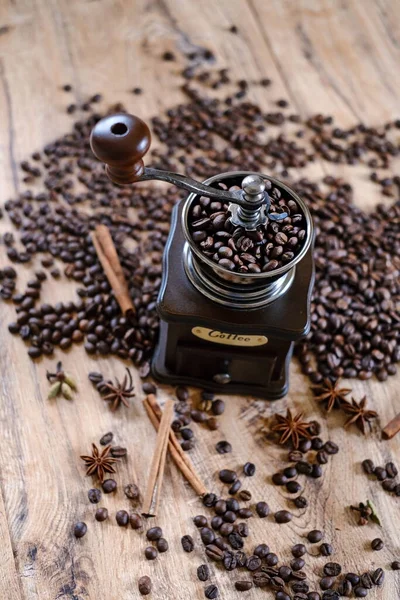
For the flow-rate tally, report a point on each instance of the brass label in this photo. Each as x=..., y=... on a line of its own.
x=229, y=339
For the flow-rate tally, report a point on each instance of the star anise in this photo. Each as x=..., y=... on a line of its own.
x=99, y=464
x=119, y=392
x=331, y=393
x=359, y=414
x=292, y=428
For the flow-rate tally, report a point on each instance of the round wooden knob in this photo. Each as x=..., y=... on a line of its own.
x=121, y=141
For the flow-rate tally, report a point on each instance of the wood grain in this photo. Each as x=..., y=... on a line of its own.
x=340, y=58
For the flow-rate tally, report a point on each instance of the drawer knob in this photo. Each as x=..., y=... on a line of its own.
x=222, y=378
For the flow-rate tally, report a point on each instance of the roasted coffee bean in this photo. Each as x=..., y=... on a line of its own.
x=94, y=495
x=304, y=467
x=377, y=544
x=271, y=559
x=300, y=502
x=317, y=443
x=154, y=533
x=101, y=514
x=283, y=516
x=244, y=513
x=209, y=500
x=135, y=521
x=229, y=561
x=295, y=456
x=293, y=487
x=187, y=543
x=243, y=586
x=331, y=447
x=162, y=545
x=214, y=552
x=223, y=447
x=290, y=472
x=145, y=585
x=395, y=565
x=313, y=596
x=242, y=529
x=389, y=485
x=261, y=550
x=109, y=486
x=253, y=563
x=300, y=587
x=122, y=518
x=360, y=592
x=297, y=564
x=262, y=509
x=368, y=466
x=80, y=529
x=227, y=476
x=249, y=469
x=380, y=473
x=182, y=393
x=150, y=553
x=326, y=583
x=330, y=595
x=366, y=581
x=299, y=550
x=216, y=522
x=280, y=595
x=235, y=541
x=285, y=573
x=322, y=457
x=315, y=536
x=378, y=576
x=200, y=521
x=149, y=388
x=229, y=516
x=118, y=452
x=332, y=569
x=211, y=592
x=232, y=504
x=277, y=583
x=326, y=549
x=353, y=578
x=220, y=507
x=235, y=487
x=261, y=579
x=203, y=572
x=245, y=495
x=345, y=588
x=207, y=535
x=218, y=407
x=279, y=479
x=132, y=491
x=241, y=558
x=316, y=471
x=391, y=470
x=226, y=529
x=107, y=438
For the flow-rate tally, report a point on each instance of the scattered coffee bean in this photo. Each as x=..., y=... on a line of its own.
x=391, y=470
x=211, y=592
x=243, y=586
x=326, y=583
x=300, y=502
x=144, y=585
x=293, y=487
x=315, y=536
x=101, y=514
x=227, y=476
x=223, y=447
x=261, y=550
x=283, y=516
x=395, y=565
x=271, y=559
x=122, y=518
x=245, y=495
x=203, y=572
x=368, y=466
x=218, y=407
x=80, y=529
x=262, y=509
x=135, y=521
x=107, y=438
x=249, y=469
x=360, y=592
x=378, y=576
x=380, y=473
x=150, y=553
x=187, y=543
x=162, y=545
x=297, y=564
x=325, y=549
x=94, y=495
x=154, y=533
x=109, y=486
x=332, y=569
x=200, y=521
x=377, y=544
x=253, y=563
x=132, y=491
x=299, y=550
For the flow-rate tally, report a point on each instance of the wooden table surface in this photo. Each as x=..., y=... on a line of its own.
x=337, y=57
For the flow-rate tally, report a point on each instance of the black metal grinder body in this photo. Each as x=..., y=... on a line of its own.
x=223, y=331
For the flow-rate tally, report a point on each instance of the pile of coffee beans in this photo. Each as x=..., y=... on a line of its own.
x=270, y=247
x=355, y=327
x=386, y=475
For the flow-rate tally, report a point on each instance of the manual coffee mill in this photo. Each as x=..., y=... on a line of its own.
x=225, y=329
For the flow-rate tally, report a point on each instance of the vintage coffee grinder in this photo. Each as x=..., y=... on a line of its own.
x=221, y=329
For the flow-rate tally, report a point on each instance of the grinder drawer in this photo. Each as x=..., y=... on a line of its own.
x=237, y=365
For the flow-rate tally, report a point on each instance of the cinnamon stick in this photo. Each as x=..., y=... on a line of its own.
x=108, y=257
x=391, y=428
x=181, y=460
x=153, y=493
